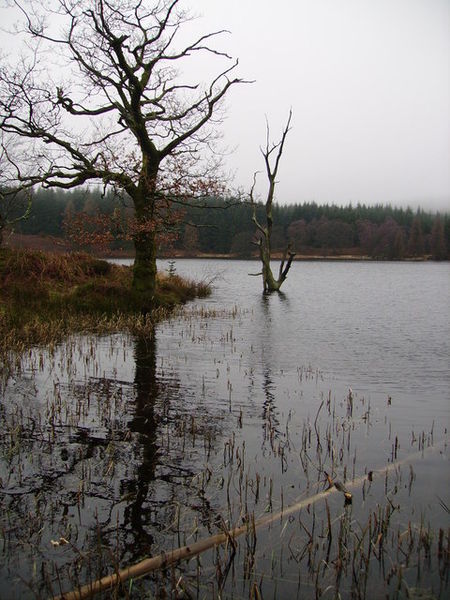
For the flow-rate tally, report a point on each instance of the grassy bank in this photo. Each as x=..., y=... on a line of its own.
x=45, y=295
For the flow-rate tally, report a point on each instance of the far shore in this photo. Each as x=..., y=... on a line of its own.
x=60, y=246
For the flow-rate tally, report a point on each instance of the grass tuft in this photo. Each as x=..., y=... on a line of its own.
x=44, y=296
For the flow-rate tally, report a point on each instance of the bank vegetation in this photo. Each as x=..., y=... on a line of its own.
x=44, y=296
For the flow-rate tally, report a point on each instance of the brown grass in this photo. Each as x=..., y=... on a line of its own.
x=44, y=296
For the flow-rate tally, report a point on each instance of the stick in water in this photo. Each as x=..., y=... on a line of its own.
x=164, y=560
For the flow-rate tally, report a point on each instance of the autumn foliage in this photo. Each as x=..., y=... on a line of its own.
x=98, y=231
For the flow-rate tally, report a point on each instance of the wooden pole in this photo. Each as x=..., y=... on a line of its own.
x=186, y=552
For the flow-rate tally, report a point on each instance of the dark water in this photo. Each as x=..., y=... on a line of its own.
x=127, y=446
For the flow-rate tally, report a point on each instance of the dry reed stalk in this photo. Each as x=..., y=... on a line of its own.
x=164, y=560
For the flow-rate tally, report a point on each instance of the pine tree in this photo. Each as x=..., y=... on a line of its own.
x=416, y=246
x=438, y=245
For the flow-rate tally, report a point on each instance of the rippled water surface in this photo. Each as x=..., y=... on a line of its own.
x=116, y=448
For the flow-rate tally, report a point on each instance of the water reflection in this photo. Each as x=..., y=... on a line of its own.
x=145, y=424
x=266, y=342
x=104, y=449
x=128, y=446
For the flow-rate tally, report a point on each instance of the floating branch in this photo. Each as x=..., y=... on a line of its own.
x=164, y=560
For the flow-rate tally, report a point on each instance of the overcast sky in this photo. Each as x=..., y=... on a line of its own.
x=368, y=82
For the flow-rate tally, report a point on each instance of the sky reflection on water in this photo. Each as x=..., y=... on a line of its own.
x=141, y=444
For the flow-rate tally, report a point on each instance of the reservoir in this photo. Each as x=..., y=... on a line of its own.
x=115, y=448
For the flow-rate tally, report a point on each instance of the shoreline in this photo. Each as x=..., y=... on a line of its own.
x=59, y=246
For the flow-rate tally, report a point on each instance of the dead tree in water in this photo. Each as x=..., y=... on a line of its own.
x=263, y=240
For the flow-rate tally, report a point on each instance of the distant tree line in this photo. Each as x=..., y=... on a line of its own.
x=226, y=227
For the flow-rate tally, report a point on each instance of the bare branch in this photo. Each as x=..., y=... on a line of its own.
x=264, y=243
x=120, y=113
x=211, y=101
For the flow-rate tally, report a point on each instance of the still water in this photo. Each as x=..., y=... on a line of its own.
x=119, y=447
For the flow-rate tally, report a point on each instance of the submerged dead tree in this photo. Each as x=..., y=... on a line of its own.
x=98, y=98
x=264, y=235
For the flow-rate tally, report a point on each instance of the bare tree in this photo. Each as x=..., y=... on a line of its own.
x=264, y=231
x=120, y=114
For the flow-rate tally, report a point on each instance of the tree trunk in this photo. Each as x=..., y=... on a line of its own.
x=270, y=284
x=144, y=270
x=145, y=240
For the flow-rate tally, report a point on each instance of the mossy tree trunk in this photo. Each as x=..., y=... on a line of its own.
x=145, y=234
x=264, y=235
x=143, y=124
x=144, y=269
x=270, y=284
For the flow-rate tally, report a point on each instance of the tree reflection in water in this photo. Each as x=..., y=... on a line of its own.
x=145, y=424
x=101, y=453
x=271, y=423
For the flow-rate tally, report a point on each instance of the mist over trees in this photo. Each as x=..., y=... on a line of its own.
x=104, y=101
x=379, y=231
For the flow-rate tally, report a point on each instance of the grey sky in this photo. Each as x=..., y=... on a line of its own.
x=368, y=82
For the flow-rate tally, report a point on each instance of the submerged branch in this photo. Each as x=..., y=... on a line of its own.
x=164, y=560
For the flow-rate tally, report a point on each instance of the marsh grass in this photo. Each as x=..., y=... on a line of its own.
x=44, y=296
